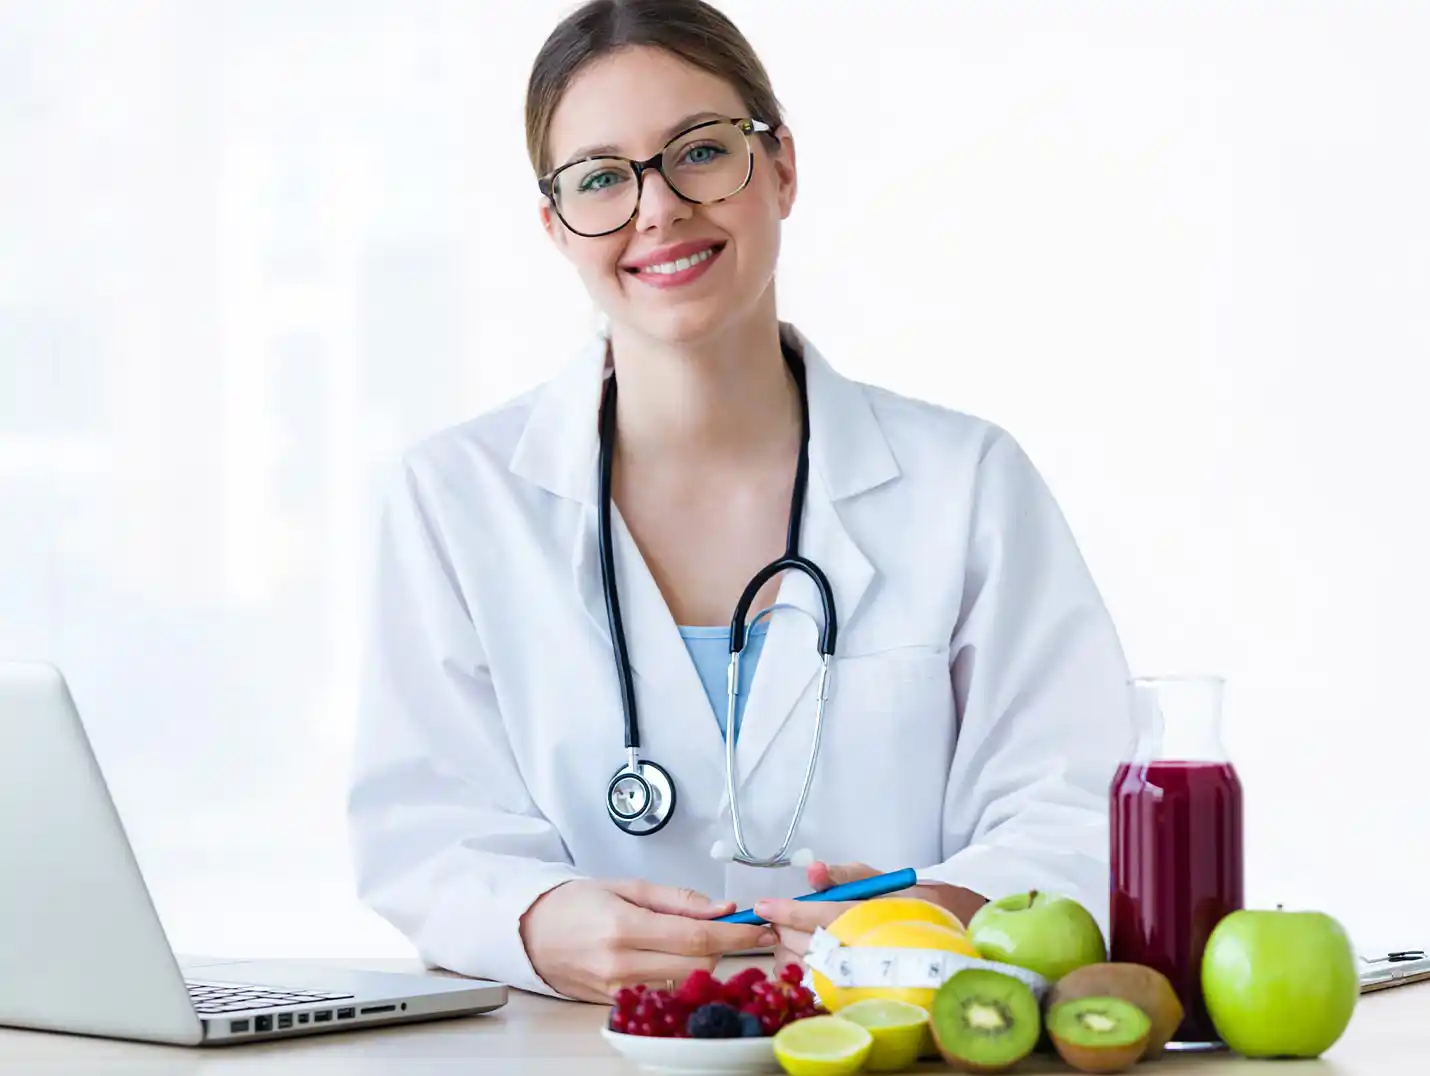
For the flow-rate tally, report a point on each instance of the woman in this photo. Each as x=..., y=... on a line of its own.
x=975, y=708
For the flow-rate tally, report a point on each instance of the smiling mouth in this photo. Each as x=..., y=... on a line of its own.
x=679, y=265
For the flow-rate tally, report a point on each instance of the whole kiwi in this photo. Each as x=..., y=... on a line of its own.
x=1145, y=987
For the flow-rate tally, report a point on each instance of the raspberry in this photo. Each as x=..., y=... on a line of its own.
x=792, y=974
x=700, y=988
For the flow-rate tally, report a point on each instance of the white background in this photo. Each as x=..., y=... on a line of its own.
x=250, y=249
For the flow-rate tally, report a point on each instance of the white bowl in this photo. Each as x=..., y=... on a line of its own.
x=697, y=1057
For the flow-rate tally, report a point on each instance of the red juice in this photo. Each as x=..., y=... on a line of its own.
x=1176, y=871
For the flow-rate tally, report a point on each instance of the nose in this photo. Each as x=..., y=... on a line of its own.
x=659, y=205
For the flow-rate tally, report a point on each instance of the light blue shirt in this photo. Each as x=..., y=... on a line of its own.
x=710, y=650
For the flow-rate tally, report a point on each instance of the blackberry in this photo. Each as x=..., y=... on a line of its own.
x=750, y=1025
x=715, y=1021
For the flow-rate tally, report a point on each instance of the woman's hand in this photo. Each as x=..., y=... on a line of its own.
x=797, y=920
x=587, y=939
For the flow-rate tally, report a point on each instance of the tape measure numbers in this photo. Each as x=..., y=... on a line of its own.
x=847, y=966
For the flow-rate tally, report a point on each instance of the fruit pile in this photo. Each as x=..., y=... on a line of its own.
x=747, y=1005
x=1275, y=984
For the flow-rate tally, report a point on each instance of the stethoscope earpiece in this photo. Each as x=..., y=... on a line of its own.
x=725, y=851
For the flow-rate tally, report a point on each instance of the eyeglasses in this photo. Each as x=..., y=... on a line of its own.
x=707, y=163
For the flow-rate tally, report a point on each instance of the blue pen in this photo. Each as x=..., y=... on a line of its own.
x=863, y=889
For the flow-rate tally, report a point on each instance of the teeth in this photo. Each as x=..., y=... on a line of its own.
x=666, y=268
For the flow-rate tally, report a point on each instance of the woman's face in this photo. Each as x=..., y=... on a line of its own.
x=631, y=103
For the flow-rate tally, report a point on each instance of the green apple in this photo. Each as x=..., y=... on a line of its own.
x=1043, y=932
x=1279, y=984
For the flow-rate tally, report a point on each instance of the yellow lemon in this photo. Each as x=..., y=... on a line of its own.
x=900, y=1032
x=911, y=935
x=868, y=914
x=822, y=1046
x=864, y=917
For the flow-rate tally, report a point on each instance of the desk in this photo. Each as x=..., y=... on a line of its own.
x=540, y=1036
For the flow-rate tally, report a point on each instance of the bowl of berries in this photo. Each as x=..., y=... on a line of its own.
x=707, y=1026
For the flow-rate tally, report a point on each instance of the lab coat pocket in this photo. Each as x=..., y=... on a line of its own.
x=896, y=686
x=890, y=737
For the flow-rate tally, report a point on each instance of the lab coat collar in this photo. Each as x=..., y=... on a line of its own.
x=849, y=454
x=558, y=447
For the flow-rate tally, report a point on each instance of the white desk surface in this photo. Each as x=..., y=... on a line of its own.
x=1389, y=1035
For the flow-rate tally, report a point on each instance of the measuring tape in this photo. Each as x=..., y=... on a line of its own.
x=853, y=966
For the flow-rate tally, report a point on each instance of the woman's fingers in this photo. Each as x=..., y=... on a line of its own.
x=670, y=899
x=680, y=935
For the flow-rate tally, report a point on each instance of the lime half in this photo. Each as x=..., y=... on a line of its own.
x=822, y=1046
x=899, y=1030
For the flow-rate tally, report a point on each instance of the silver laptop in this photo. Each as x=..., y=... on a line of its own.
x=81, y=946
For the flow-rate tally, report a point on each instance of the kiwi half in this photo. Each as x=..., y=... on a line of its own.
x=1145, y=987
x=1099, y=1034
x=984, y=1021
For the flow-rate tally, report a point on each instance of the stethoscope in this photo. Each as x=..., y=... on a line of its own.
x=641, y=795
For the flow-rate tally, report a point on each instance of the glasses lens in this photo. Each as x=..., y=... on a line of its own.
x=709, y=163
x=596, y=195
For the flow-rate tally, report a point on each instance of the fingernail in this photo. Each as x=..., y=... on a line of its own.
x=762, y=908
x=769, y=937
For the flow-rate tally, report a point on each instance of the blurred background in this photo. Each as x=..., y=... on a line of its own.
x=249, y=250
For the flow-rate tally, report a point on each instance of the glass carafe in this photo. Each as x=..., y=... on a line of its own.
x=1176, y=827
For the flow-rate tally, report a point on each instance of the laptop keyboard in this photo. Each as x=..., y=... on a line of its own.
x=212, y=998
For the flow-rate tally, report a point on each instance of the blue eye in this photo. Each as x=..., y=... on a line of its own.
x=710, y=149
x=599, y=181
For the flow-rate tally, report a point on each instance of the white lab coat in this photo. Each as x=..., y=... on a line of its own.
x=978, y=706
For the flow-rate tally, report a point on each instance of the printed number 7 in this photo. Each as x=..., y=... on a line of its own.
x=888, y=968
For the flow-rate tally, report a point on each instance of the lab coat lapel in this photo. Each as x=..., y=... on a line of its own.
x=667, y=685
x=559, y=451
x=848, y=455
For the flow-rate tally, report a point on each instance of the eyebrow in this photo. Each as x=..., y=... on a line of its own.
x=669, y=133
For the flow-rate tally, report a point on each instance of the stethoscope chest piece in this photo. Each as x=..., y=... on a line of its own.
x=640, y=797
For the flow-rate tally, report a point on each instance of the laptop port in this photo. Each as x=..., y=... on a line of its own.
x=302, y=1018
x=238, y=1025
x=323, y=1017
x=263, y=1023
x=285, y=1019
x=346, y=1014
x=379, y=1008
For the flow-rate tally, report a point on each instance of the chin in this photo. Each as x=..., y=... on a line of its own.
x=688, y=321
x=686, y=326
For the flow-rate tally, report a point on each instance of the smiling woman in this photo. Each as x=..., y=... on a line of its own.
x=637, y=116
x=584, y=563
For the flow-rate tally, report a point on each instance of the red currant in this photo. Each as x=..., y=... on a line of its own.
x=792, y=974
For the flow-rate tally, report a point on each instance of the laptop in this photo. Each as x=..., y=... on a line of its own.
x=82, y=949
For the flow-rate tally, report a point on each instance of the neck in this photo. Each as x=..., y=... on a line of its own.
x=728, y=399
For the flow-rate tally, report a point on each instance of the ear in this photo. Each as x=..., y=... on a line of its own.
x=551, y=224
x=782, y=160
